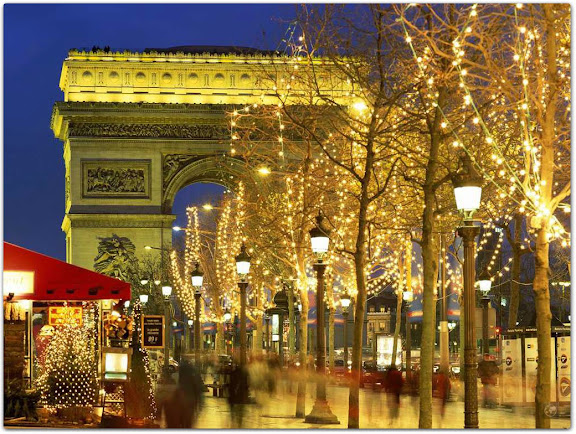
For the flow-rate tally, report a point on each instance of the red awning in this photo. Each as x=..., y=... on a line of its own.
x=58, y=280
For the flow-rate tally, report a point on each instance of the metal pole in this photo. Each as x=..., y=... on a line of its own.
x=321, y=412
x=345, y=314
x=485, y=345
x=281, y=339
x=197, y=337
x=468, y=234
x=243, y=286
x=167, y=327
x=444, y=353
x=408, y=350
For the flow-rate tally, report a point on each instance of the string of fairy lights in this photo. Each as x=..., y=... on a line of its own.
x=515, y=180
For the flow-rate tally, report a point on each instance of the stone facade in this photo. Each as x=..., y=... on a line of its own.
x=138, y=127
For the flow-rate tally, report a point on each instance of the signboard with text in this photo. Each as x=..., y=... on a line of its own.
x=59, y=315
x=18, y=282
x=153, y=331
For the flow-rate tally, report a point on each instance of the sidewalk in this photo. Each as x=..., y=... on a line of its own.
x=277, y=412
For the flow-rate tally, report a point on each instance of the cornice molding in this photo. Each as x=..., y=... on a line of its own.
x=118, y=221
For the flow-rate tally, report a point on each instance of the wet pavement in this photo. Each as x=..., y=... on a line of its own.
x=276, y=411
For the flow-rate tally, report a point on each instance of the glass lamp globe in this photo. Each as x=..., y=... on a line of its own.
x=319, y=237
x=243, y=262
x=345, y=300
x=407, y=295
x=143, y=298
x=197, y=277
x=227, y=316
x=190, y=322
x=467, y=187
x=166, y=290
x=485, y=285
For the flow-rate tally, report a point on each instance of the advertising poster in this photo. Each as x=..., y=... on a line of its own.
x=563, y=364
x=531, y=357
x=511, y=371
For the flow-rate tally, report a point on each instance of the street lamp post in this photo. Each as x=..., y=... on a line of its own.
x=227, y=319
x=243, y=268
x=345, y=301
x=197, y=279
x=485, y=284
x=321, y=413
x=467, y=192
x=166, y=292
x=408, y=296
x=267, y=337
x=190, y=337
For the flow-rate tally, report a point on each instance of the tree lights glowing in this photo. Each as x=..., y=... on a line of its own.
x=68, y=377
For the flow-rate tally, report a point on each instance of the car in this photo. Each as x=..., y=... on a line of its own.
x=339, y=369
x=372, y=375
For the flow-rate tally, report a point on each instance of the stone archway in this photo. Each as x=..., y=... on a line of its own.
x=189, y=169
x=137, y=127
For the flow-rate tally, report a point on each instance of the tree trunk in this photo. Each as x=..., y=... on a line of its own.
x=219, y=338
x=515, y=272
x=292, y=325
x=399, y=294
x=360, y=306
x=331, y=339
x=543, y=327
x=303, y=354
x=541, y=282
x=430, y=262
x=354, y=396
x=257, y=335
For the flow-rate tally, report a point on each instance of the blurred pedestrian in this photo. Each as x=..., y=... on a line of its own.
x=443, y=390
x=183, y=406
x=488, y=373
x=394, y=383
x=238, y=395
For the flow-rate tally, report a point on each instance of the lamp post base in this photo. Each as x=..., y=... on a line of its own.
x=321, y=414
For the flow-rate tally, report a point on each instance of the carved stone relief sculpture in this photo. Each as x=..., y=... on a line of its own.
x=118, y=178
x=202, y=132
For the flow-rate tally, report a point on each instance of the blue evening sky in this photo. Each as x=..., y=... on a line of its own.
x=37, y=38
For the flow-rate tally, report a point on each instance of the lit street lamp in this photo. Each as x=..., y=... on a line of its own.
x=345, y=301
x=321, y=413
x=485, y=284
x=243, y=268
x=467, y=192
x=197, y=277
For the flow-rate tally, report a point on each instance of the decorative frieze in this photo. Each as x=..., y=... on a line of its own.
x=198, y=132
x=116, y=178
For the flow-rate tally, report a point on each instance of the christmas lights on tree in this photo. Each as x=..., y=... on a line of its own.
x=68, y=377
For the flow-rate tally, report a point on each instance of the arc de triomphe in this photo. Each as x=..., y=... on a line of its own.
x=138, y=127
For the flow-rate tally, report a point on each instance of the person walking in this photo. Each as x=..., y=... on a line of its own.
x=238, y=395
x=394, y=383
x=443, y=390
x=488, y=373
x=183, y=406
